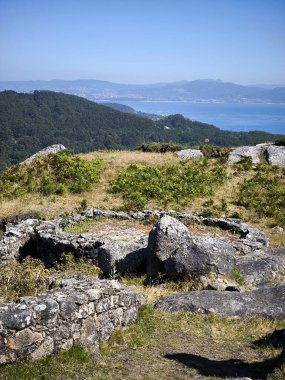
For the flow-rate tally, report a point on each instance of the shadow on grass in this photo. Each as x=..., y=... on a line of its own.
x=227, y=368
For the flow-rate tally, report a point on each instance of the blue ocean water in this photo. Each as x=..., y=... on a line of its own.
x=233, y=117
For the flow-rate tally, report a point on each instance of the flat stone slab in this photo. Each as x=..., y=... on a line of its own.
x=264, y=303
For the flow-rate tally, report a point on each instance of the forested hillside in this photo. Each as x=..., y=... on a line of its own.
x=30, y=122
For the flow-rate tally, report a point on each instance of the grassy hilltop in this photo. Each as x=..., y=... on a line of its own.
x=133, y=180
x=159, y=346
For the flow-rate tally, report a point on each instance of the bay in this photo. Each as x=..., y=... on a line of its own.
x=228, y=116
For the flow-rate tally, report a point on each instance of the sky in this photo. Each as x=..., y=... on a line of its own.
x=143, y=41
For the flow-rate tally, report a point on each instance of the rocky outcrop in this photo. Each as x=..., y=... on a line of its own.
x=166, y=236
x=262, y=268
x=199, y=256
x=81, y=312
x=44, y=152
x=275, y=155
x=189, y=154
x=265, y=303
x=245, y=151
x=120, y=257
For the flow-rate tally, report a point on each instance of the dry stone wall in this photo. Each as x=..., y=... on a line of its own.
x=47, y=240
x=80, y=312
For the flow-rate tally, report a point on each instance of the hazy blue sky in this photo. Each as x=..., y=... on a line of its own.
x=143, y=41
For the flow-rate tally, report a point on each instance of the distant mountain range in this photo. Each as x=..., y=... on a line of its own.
x=207, y=90
x=31, y=122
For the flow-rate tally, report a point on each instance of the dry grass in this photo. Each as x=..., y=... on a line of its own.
x=99, y=196
x=53, y=206
x=161, y=346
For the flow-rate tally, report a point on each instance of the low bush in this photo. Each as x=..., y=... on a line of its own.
x=173, y=183
x=160, y=148
x=245, y=164
x=280, y=142
x=53, y=174
x=212, y=151
x=265, y=193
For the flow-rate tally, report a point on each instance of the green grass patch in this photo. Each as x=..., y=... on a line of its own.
x=52, y=174
x=236, y=276
x=139, y=351
x=171, y=184
x=264, y=193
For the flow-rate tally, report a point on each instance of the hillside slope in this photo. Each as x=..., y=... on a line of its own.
x=30, y=122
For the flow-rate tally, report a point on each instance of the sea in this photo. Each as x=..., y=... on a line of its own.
x=228, y=116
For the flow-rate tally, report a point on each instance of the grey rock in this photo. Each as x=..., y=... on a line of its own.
x=219, y=283
x=231, y=224
x=200, y=255
x=18, y=320
x=265, y=303
x=262, y=267
x=189, y=154
x=165, y=237
x=81, y=312
x=275, y=155
x=255, y=235
x=278, y=230
x=245, y=151
x=119, y=257
x=44, y=152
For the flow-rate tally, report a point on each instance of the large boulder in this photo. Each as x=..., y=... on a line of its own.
x=189, y=154
x=261, y=268
x=265, y=303
x=121, y=257
x=201, y=255
x=245, y=151
x=44, y=152
x=275, y=155
x=166, y=236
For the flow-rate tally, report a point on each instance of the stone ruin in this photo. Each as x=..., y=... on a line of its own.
x=86, y=311
x=80, y=311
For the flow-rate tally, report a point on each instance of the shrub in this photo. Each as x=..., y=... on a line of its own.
x=176, y=183
x=265, y=193
x=245, y=164
x=212, y=151
x=280, y=142
x=53, y=174
x=160, y=148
